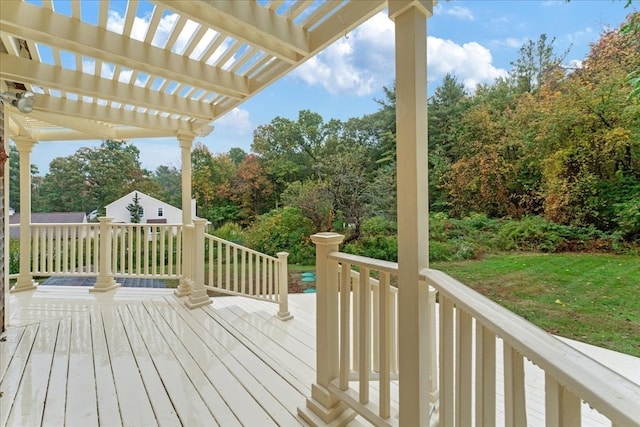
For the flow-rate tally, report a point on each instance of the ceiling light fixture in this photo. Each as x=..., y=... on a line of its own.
x=23, y=101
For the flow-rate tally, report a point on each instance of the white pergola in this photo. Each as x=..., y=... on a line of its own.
x=95, y=77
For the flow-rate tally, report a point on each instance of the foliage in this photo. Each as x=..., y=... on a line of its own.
x=93, y=177
x=232, y=232
x=14, y=256
x=313, y=200
x=169, y=183
x=135, y=209
x=283, y=229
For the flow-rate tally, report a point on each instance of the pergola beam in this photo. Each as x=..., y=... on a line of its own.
x=36, y=23
x=52, y=77
x=118, y=116
x=248, y=22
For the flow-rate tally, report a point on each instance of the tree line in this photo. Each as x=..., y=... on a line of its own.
x=550, y=141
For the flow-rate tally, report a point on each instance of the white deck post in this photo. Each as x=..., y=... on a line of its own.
x=283, y=287
x=105, y=281
x=186, y=140
x=323, y=407
x=198, y=296
x=24, y=281
x=410, y=17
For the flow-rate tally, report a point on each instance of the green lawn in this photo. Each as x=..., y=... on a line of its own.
x=593, y=298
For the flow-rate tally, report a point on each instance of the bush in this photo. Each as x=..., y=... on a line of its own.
x=378, y=247
x=285, y=230
x=14, y=256
x=232, y=232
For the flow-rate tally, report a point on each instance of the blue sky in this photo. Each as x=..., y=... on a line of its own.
x=475, y=40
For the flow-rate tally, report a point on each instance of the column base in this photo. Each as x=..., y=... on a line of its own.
x=26, y=284
x=104, y=285
x=323, y=409
x=184, y=288
x=284, y=316
x=198, y=298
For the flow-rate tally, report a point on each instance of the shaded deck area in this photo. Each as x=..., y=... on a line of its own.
x=139, y=357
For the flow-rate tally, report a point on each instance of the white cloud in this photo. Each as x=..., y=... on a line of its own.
x=456, y=11
x=470, y=62
x=237, y=121
x=364, y=62
x=358, y=63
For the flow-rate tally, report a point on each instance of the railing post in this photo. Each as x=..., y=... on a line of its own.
x=104, y=281
x=323, y=407
x=198, y=296
x=283, y=287
x=185, y=286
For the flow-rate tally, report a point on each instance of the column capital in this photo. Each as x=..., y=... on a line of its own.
x=398, y=7
x=24, y=143
x=185, y=139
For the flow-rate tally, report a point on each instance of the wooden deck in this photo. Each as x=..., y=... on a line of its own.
x=138, y=357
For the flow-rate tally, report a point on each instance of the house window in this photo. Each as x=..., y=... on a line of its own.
x=141, y=210
x=160, y=212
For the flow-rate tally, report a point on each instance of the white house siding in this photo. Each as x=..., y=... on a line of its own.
x=150, y=205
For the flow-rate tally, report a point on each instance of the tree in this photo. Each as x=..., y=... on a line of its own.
x=169, y=182
x=135, y=209
x=535, y=64
x=313, y=200
x=249, y=188
x=94, y=177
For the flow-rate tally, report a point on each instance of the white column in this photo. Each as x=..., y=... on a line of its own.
x=186, y=141
x=24, y=281
x=184, y=287
x=198, y=296
x=413, y=244
x=323, y=407
x=105, y=281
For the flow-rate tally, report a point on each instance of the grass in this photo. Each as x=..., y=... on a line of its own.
x=593, y=298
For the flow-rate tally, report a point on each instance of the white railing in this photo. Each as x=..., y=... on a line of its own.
x=163, y=251
x=236, y=270
x=357, y=338
x=368, y=337
x=146, y=250
x=64, y=249
x=570, y=376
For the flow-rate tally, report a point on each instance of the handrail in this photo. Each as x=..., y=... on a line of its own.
x=603, y=389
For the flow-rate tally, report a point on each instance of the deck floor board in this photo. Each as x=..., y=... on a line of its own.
x=141, y=358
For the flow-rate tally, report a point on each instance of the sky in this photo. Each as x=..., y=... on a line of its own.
x=475, y=40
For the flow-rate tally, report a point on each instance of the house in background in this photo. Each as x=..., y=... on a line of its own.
x=153, y=211
x=47, y=218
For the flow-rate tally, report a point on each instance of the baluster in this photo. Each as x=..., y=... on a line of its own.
x=485, y=377
x=155, y=230
x=384, y=294
x=235, y=269
x=345, y=325
x=355, y=319
x=375, y=300
x=35, y=244
x=447, y=356
x=365, y=335
x=463, y=400
x=562, y=408
x=243, y=275
x=515, y=413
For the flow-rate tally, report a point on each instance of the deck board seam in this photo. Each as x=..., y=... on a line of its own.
x=239, y=365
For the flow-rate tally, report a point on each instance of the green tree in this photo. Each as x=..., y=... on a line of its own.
x=536, y=63
x=313, y=200
x=169, y=183
x=94, y=177
x=135, y=209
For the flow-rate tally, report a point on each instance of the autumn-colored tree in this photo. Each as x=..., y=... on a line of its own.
x=249, y=188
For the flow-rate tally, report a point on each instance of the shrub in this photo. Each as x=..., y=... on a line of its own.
x=232, y=232
x=378, y=247
x=14, y=256
x=285, y=230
